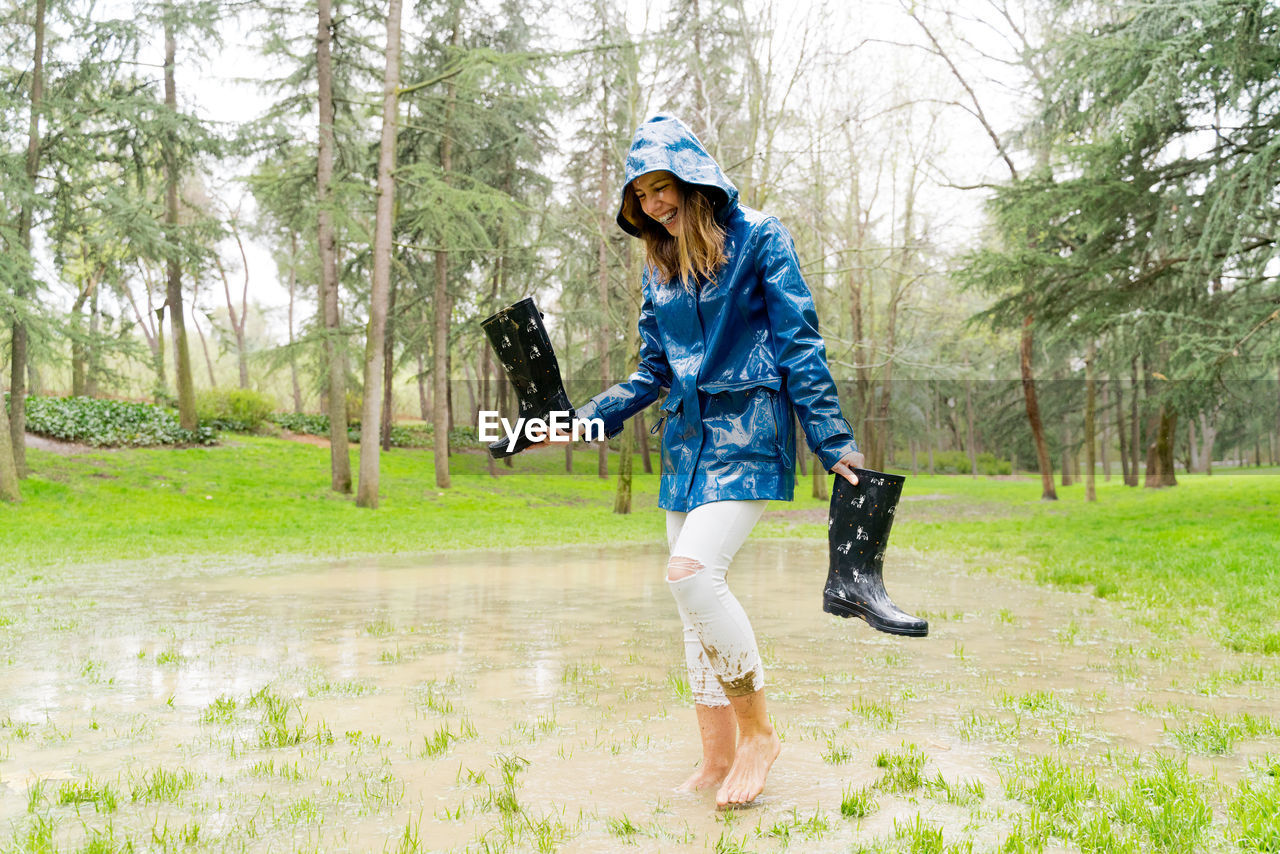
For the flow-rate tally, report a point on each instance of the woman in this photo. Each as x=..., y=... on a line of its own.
x=728, y=325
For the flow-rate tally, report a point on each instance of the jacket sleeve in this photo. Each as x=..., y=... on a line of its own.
x=619, y=402
x=801, y=353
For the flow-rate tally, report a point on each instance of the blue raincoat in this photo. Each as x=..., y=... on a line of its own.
x=739, y=356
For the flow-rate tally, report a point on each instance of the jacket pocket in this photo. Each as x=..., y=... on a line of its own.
x=741, y=423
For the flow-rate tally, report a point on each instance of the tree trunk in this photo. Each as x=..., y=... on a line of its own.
x=1160, y=471
x=633, y=272
x=901, y=279
x=162, y=390
x=862, y=351
x=1066, y=453
x=92, y=353
x=1123, y=434
x=293, y=358
x=173, y=290
x=17, y=417
x=622, y=495
x=1090, y=440
x=819, y=490
x=1135, y=438
x=380, y=292
x=423, y=408
x=334, y=346
x=442, y=416
x=935, y=428
x=204, y=343
x=239, y=318
x=9, y=489
x=1104, y=405
x=968, y=411
x=1193, y=447
x=604, y=204
x=1048, y=493
x=79, y=346
x=1208, y=434
x=389, y=369
x=204, y=346
x=566, y=375
x=642, y=440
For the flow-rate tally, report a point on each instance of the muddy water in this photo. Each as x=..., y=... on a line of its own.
x=564, y=667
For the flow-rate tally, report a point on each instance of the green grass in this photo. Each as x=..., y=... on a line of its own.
x=1163, y=808
x=257, y=496
x=857, y=803
x=1204, y=550
x=902, y=769
x=1202, y=554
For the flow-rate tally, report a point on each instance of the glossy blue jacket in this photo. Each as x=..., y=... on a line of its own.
x=738, y=356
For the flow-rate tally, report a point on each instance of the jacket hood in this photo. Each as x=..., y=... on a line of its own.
x=664, y=143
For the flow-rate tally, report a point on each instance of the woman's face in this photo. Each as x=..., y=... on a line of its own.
x=659, y=196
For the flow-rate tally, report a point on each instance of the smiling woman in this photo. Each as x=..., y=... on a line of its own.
x=729, y=327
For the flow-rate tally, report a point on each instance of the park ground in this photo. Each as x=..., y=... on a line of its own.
x=206, y=650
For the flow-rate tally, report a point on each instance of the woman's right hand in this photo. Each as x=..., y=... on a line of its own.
x=846, y=465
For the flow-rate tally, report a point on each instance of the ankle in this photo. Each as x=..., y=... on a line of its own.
x=759, y=732
x=716, y=764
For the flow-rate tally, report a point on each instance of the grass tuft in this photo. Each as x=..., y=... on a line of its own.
x=902, y=769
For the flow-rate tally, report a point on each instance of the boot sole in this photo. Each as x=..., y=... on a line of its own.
x=843, y=608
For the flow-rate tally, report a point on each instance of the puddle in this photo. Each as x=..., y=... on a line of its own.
x=536, y=700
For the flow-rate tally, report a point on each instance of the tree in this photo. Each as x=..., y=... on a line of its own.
x=19, y=332
x=173, y=279
x=335, y=349
x=375, y=351
x=1015, y=235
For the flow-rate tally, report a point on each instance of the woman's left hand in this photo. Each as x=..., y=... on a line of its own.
x=849, y=462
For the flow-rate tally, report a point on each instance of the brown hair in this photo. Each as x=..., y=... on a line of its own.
x=698, y=249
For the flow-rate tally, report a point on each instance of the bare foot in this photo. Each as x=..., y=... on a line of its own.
x=750, y=768
x=704, y=777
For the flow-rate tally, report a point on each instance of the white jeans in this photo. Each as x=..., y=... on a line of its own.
x=720, y=647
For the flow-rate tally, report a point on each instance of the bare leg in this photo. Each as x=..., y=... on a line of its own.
x=719, y=730
x=758, y=746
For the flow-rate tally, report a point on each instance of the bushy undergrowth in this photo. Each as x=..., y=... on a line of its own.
x=110, y=423
x=402, y=435
x=957, y=462
x=240, y=410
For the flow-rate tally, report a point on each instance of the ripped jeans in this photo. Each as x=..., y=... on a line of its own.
x=720, y=647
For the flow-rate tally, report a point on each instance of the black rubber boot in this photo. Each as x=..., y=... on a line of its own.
x=858, y=531
x=524, y=349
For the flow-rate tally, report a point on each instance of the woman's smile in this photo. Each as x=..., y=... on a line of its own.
x=659, y=197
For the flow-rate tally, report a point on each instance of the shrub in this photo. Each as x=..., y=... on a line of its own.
x=302, y=422
x=957, y=462
x=241, y=410
x=402, y=435
x=110, y=423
